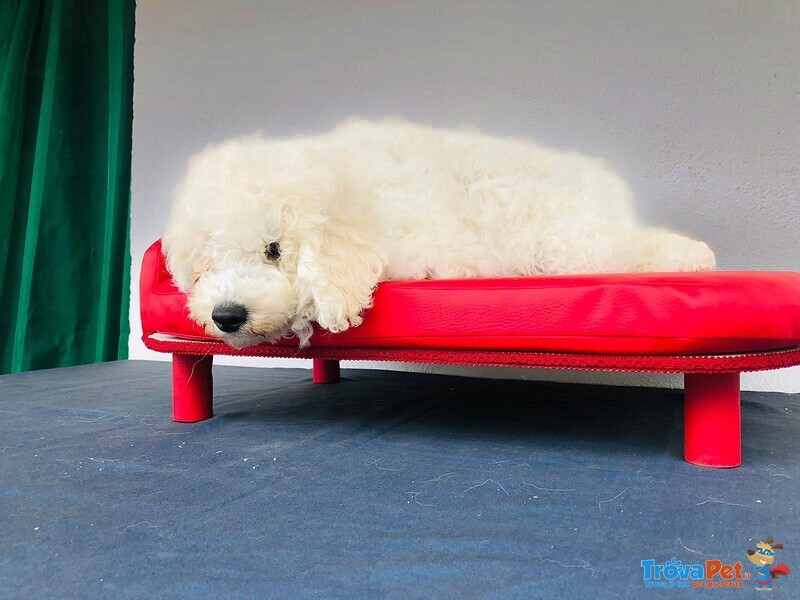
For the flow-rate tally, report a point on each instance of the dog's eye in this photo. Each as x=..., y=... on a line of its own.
x=273, y=251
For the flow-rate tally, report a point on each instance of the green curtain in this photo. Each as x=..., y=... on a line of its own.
x=66, y=79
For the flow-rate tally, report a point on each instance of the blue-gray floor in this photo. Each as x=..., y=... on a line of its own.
x=386, y=485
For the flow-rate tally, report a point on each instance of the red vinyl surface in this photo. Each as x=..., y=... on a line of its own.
x=619, y=314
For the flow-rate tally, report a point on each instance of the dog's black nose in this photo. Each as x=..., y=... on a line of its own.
x=229, y=317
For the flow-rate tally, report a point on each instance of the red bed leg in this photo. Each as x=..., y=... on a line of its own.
x=712, y=420
x=326, y=371
x=192, y=388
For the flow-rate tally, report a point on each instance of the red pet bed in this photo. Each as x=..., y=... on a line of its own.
x=709, y=326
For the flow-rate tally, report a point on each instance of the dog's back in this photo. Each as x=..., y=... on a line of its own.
x=462, y=203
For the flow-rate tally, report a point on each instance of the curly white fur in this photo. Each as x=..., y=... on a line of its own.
x=369, y=202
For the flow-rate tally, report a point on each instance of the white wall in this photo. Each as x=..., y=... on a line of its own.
x=695, y=103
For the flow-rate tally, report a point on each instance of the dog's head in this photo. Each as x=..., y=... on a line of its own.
x=263, y=245
x=764, y=554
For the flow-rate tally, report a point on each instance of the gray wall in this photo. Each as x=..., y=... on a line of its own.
x=695, y=102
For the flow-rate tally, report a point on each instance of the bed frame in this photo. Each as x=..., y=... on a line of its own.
x=712, y=418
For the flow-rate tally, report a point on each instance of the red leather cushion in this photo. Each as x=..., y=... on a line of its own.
x=650, y=313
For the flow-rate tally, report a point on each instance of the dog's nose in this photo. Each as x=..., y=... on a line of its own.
x=229, y=317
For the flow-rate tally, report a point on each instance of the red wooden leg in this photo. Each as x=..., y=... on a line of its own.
x=192, y=388
x=326, y=371
x=712, y=420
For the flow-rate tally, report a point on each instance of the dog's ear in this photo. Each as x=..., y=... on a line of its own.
x=180, y=249
x=337, y=271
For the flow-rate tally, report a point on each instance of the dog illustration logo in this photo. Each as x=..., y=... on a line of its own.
x=763, y=558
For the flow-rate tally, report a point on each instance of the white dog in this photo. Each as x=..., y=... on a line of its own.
x=267, y=236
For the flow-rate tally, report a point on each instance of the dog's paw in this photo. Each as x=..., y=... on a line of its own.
x=338, y=325
x=675, y=253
